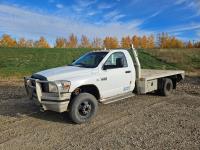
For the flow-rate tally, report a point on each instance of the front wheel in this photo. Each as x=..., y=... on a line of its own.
x=83, y=107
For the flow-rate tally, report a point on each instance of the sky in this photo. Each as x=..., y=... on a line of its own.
x=99, y=18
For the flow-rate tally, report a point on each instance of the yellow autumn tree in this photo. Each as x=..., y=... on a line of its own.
x=173, y=42
x=151, y=42
x=22, y=43
x=106, y=42
x=126, y=42
x=42, y=43
x=60, y=42
x=161, y=40
x=180, y=44
x=7, y=41
x=72, y=42
x=164, y=40
x=85, y=42
x=111, y=42
x=144, y=42
x=135, y=41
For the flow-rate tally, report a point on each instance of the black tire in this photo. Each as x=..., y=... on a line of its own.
x=167, y=87
x=82, y=108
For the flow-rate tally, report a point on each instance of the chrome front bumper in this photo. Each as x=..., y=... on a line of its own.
x=49, y=101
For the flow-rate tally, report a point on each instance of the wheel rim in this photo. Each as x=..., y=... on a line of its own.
x=168, y=87
x=85, y=108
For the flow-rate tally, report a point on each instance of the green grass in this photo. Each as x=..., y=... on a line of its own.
x=16, y=63
x=21, y=62
x=150, y=62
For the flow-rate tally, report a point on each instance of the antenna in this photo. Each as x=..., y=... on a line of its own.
x=132, y=46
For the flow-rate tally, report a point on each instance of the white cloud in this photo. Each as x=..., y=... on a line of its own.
x=155, y=14
x=105, y=6
x=91, y=13
x=24, y=23
x=180, y=30
x=118, y=17
x=85, y=9
x=85, y=3
x=82, y=9
x=194, y=4
x=198, y=6
x=178, y=2
x=113, y=16
x=186, y=27
x=60, y=6
x=152, y=15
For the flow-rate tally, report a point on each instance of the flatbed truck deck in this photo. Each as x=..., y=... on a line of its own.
x=149, y=74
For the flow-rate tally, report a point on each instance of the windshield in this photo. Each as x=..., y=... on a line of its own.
x=90, y=60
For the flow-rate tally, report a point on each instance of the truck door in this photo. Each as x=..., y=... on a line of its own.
x=115, y=77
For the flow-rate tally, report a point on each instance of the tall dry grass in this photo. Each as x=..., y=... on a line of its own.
x=186, y=59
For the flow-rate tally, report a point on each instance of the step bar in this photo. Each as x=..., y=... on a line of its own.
x=117, y=98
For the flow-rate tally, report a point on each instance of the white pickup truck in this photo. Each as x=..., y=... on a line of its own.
x=103, y=76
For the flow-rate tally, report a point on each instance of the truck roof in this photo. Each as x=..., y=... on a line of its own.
x=109, y=50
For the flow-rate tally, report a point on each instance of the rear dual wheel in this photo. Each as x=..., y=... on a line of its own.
x=167, y=87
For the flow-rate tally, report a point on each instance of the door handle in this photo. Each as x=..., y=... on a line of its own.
x=128, y=71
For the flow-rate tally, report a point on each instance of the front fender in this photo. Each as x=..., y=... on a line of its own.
x=81, y=81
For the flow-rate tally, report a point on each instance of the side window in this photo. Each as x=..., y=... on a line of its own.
x=116, y=60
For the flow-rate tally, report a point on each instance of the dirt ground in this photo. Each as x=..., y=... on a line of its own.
x=141, y=122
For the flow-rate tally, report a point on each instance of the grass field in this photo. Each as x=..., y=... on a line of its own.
x=20, y=62
x=186, y=59
x=16, y=63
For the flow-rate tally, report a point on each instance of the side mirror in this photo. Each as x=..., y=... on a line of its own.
x=73, y=60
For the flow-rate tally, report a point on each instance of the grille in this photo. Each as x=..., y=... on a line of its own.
x=44, y=86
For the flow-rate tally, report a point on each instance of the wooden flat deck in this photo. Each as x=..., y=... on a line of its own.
x=149, y=74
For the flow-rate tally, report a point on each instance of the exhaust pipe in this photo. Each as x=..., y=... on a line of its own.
x=137, y=63
x=137, y=67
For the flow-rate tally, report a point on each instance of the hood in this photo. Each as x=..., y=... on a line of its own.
x=64, y=73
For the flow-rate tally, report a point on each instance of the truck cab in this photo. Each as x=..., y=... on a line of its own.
x=102, y=76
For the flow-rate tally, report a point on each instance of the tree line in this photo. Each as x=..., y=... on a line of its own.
x=162, y=40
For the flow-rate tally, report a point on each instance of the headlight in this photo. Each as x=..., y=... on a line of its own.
x=62, y=85
x=52, y=88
